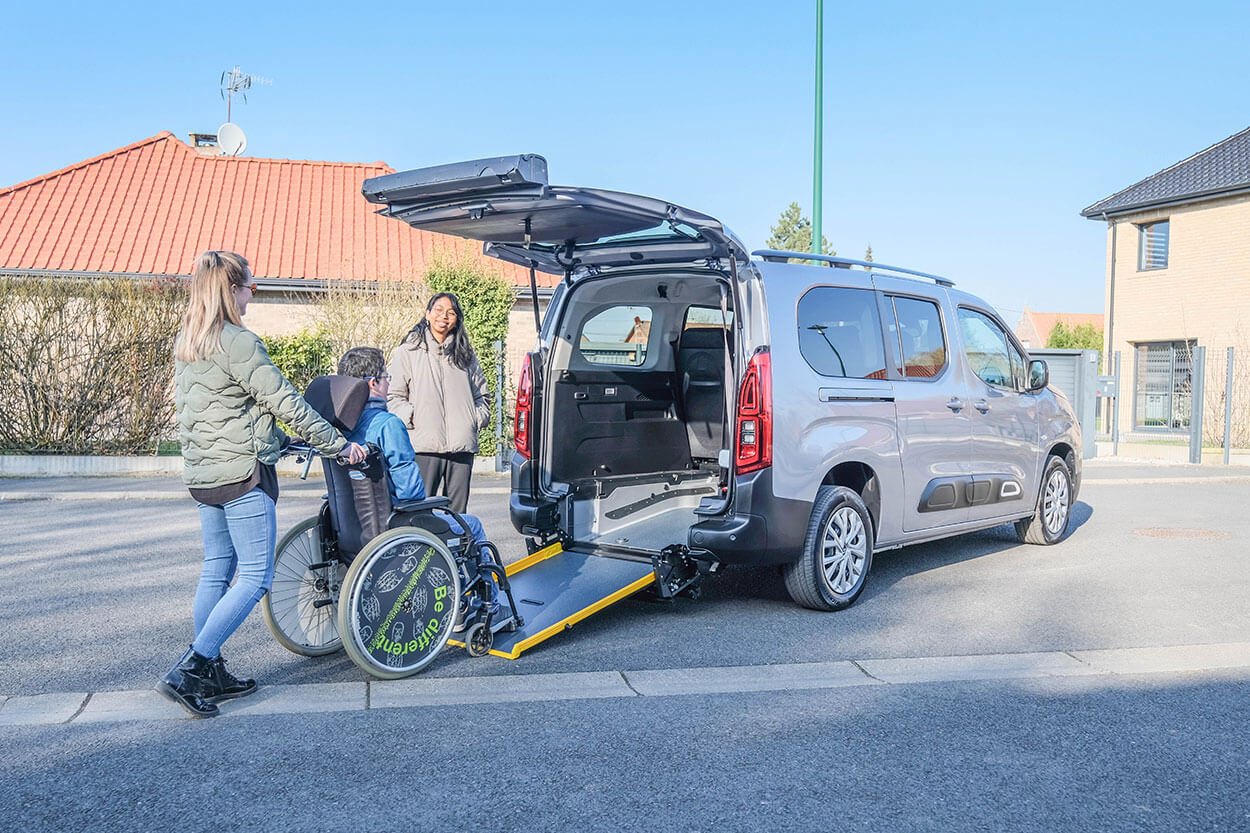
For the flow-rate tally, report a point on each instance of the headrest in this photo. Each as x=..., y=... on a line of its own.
x=704, y=338
x=339, y=399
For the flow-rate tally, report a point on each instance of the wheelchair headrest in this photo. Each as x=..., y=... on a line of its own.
x=339, y=399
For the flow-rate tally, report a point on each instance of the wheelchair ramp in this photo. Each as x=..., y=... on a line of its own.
x=555, y=589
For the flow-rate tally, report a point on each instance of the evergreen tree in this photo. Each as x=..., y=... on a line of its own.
x=793, y=233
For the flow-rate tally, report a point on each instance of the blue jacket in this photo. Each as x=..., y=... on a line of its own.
x=387, y=432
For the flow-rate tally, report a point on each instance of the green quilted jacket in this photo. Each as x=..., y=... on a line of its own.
x=227, y=404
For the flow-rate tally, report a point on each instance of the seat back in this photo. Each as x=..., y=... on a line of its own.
x=359, y=497
x=701, y=373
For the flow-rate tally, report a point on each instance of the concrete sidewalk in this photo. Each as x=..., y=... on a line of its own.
x=80, y=708
x=164, y=486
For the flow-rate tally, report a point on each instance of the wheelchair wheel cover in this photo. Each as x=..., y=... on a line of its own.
x=289, y=608
x=398, y=602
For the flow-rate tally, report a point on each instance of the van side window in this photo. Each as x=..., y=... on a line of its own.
x=840, y=333
x=922, y=346
x=990, y=351
x=697, y=317
x=617, y=336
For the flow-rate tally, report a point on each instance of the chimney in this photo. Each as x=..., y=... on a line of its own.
x=206, y=144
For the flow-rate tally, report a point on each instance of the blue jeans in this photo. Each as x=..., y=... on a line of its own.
x=238, y=535
x=475, y=526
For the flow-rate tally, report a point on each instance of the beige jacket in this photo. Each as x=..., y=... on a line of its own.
x=442, y=406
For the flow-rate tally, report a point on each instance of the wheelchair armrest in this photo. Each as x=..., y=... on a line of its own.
x=418, y=505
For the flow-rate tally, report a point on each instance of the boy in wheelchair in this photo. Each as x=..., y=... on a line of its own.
x=383, y=570
x=383, y=429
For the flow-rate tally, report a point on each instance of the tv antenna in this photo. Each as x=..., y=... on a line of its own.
x=237, y=82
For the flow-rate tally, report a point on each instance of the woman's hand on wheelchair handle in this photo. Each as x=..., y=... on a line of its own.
x=354, y=453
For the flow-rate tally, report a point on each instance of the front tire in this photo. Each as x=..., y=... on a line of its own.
x=1053, y=512
x=837, y=552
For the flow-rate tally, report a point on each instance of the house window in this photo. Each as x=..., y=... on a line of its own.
x=1163, y=380
x=1152, y=246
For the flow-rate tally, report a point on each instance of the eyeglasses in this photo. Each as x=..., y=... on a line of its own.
x=448, y=313
x=250, y=287
x=385, y=377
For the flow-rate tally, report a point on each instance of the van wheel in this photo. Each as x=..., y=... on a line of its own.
x=837, y=552
x=1054, y=507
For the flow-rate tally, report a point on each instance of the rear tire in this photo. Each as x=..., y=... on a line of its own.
x=837, y=552
x=398, y=603
x=1053, y=511
x=301, y=607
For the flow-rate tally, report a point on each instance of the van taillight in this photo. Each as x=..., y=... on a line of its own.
x=753, y=437
x=524, y=411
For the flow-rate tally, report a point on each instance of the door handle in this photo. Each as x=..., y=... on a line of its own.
x=982, y=406
x=955, y=404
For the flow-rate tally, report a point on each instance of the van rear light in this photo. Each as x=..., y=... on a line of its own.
x=524, y=411
x=753, y=435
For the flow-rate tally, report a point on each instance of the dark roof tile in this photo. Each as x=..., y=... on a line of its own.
x=1220, y=169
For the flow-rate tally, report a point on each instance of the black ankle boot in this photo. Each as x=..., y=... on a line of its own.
x=227, y=685
x=190, y=683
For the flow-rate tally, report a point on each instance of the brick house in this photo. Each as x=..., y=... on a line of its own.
x=149, y=208
x=1178, y=260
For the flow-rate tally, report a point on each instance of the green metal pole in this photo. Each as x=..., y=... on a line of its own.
x=820, y=123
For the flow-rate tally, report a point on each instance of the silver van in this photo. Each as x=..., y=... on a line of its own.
x=695, y=406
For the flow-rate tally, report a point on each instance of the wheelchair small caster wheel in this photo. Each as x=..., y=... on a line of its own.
x=479, y=640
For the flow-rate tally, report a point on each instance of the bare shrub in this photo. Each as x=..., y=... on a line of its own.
x=86, y=366
x=369, y=313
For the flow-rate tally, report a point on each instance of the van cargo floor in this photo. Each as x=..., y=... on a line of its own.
x=555, y=589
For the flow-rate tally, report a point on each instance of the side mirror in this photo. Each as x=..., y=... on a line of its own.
x=1039, y=375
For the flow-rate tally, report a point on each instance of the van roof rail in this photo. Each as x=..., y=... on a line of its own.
x=777, y=256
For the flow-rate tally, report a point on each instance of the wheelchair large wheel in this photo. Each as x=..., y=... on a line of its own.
x=301, y=608
x=398, y=602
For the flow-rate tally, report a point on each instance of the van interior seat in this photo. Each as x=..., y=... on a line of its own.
x=701, y=372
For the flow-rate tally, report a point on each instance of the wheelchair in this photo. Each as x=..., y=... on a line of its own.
x=388, y=583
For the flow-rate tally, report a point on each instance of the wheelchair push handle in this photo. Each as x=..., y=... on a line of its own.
x=304, y=453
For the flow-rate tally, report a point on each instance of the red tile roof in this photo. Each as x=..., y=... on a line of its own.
x=151, y=207
x=1034, y=327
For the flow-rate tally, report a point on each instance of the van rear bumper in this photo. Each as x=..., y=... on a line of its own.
x=529, y=515
x=761, y=529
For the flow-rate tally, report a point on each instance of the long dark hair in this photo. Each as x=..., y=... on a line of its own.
x=457, y=346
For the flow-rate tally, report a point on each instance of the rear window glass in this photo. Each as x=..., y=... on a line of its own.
x=617, y=336
x=840, y=333
x=922, y=346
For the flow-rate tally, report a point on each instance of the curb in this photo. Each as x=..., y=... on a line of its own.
x=69, y=465
x=82, y=708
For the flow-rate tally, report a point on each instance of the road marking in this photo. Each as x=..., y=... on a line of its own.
x=126, y=706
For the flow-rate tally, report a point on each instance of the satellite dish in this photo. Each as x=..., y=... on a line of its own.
x=231, y=140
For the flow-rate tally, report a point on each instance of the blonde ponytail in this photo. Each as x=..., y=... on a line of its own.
x=211, y=304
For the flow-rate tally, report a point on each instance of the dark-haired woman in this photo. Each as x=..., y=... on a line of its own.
x=229, y=396
x=438, y=389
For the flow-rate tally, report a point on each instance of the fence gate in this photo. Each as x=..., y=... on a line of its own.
x=1075, y=374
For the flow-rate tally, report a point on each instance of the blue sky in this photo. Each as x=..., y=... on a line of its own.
x=961, y=139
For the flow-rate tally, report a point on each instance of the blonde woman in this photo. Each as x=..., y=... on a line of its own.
x=228, y=396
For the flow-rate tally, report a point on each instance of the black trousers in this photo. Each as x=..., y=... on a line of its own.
x=448, y=475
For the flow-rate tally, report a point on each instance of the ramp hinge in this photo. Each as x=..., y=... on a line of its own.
x=676, y=573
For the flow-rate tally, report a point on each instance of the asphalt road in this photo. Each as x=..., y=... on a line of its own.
x=99, y=592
